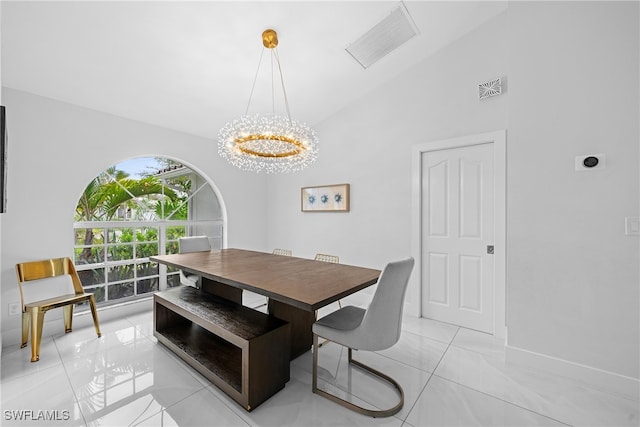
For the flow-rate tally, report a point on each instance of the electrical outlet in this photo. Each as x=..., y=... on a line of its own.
x=14, y=309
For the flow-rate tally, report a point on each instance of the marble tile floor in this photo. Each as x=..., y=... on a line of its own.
x=451, y=377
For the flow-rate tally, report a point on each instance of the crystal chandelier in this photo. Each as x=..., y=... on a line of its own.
x=268, y=142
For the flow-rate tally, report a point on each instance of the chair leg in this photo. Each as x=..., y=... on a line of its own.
x=37, y=320
x=25, y=328
x=364, y=411
x=94, y=313
x=314, y=381
x=68, y=317
x=325, y=341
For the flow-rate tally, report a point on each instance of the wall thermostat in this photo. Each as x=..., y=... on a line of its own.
x=590, y=162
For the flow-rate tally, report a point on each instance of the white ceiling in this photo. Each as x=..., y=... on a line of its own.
x=189, y=66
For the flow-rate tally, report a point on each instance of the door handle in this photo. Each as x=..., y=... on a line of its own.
x=490, y=249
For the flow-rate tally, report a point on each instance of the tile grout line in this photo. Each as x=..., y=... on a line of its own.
x=503, y=400
x=22, y=372
x=480, y=391
x=187, y=371
x=66, y=373
x=449, y=344
x=351, y=393
x=132, y=423
x=143, y=336
x=164, y=408
x=417, y=398
x=431, y=376
x=446, y=350
x=416, y=367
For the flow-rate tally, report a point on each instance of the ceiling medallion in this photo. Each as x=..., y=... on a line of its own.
x=268, y=142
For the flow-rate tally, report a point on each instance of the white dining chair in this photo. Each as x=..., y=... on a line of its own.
x=192, y=244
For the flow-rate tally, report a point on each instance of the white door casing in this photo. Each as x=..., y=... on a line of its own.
x=458, y=210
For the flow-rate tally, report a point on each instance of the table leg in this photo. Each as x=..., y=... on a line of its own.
x=220, y=289
x=301, y=322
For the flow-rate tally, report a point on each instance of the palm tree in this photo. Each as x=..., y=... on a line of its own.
x=108, y=192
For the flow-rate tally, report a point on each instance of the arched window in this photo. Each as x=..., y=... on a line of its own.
x=136, y=209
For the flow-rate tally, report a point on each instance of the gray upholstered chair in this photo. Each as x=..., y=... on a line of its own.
x=376, y=328
x=192, y=244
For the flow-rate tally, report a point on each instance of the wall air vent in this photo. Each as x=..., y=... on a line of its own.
x=384, y=37
x=490, y=88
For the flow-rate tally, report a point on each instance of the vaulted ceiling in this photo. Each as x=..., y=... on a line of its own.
x=189, y=66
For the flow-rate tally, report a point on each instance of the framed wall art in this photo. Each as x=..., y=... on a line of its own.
x=326, y=198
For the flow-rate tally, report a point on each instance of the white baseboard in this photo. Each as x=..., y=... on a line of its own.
x=610, y=382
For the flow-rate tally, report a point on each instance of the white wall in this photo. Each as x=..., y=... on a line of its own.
x=573, y=274
x=571, y=88
x=57, y=148
x=368, y=145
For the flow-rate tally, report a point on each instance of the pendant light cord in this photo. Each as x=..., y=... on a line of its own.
x=253, y=86
x=273, y=90
x=284, y=91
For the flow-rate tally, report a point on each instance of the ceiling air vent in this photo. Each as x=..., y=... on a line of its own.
x=384, y=37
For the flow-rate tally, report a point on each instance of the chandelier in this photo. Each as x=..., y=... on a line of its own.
x=268, y=142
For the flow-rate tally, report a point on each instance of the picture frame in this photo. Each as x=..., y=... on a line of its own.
x=3, y=159
x=326, y=198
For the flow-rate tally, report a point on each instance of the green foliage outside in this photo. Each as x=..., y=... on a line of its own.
x=113, y=196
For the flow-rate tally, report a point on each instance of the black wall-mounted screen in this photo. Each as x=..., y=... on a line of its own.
x=3, y=159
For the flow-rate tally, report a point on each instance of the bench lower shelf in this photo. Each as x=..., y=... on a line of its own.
x=244, y=352
x=225, y=362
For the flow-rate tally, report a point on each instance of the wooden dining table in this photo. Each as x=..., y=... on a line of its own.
x=295, y=287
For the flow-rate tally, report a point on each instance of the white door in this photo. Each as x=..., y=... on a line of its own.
x=458, y=236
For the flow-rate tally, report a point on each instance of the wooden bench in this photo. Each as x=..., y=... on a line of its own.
x=242, y=351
